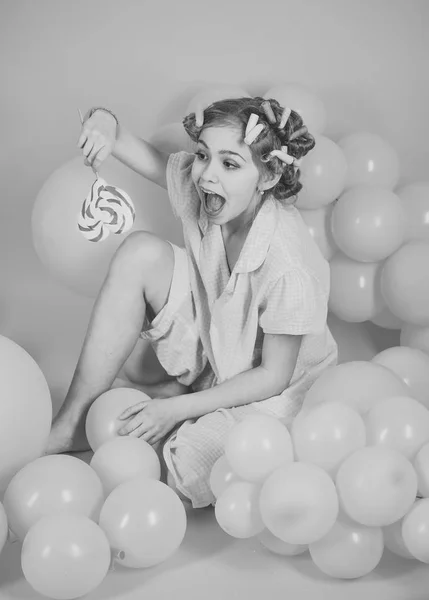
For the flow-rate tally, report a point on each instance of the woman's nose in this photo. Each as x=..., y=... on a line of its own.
x=209, y=173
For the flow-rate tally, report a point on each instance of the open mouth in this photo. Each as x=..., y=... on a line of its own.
x=212, y=203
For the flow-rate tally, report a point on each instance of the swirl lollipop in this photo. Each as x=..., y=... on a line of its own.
x=107, y=209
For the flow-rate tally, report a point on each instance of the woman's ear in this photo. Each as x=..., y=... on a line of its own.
x=268, y=184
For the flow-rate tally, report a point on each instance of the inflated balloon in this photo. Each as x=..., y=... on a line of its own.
x=221, y=476
x=415, y=336
x=145, y=519
x=318, y=222
x=303, y=101
x=387, y=320
x=122, y=459
x=411, y=365
x=73, y=261
x=323, y=174
x=355, y=294
x=376, y=485
x=57, y=484
x=212, y=93
x=299, y=503
x=394, y=541
x=327, y=434
x=349, y=550
x=25, y=410
x=415, y=200
x=398, y=422
x=358, y=384
x=102, y=423
x=237, y=510
x=171, y=138
x=415, y=530
x=4, y=527
x=258, y=445
x=421, y=467
x=277, y=546
x=368, y=223
x=65, y=556
x=405, y=282
x=370, y=159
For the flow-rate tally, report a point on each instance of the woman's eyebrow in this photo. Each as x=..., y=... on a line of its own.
x=223, y=151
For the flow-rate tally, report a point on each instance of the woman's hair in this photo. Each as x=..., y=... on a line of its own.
x=236, y=112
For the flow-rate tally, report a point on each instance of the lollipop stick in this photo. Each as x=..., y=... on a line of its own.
x=81, y=120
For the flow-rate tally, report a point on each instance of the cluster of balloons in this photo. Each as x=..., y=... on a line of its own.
x=349, y=478
x=76, y=520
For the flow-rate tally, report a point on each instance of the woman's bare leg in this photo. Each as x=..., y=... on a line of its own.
x=134, y=279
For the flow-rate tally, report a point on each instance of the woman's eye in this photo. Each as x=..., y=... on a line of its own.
x=200, y=155
x=230, y=165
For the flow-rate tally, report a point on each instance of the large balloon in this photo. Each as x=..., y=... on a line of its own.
x=102, y=423
x=355, y=294
x=356, y=383
x=237, y=510
x=323, y=174
x=57, y=484
x=318, y=222
x=25, y=410
x=303, y=101
x=65, y=556
x=415, y=199
x=258, y=445
x=405, y=282
x=79, y=264
x=348, y=550
x=145, y=519
x=124, y=458
x=376, y=486
x=212, y=93
x=299, y=503
x=370, y=159
x=411, y=365
x=368, y=223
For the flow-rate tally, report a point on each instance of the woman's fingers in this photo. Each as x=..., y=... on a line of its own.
x=132, y=410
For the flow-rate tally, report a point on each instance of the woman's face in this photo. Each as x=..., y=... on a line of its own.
x=225, y=176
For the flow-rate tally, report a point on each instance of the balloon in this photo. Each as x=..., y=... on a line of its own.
x=421, y=467
x=399, y=422
x=212, y=93
x=57, y=484
x=171, y=138
x=405, y=282
x=25, y=410
x=358, y=384
x=415, y=530
x=277, y=546
x=145, y=519
x=318, y=222
x=65, y=556
x=71, y=259
x=415, y=336
x=387, y=320
x=4, y=528
x=412, y=366
x=102, y=423
x=370, y=159
x=122, y=459
x=303, y=101
x=323, y=174
x=221, y=476
x=415, y=200
x=348, y=550
x=394, y=541
x=258, y=445
x=355, y=291
x=237, y=510
x=368, y=223
x=299, y=503
x=376, y=485
x=327, y=434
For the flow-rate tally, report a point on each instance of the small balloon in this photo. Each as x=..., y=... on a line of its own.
x=415, y=530
x=222, y=476
x=102, y=423
x=394, y=541
x=237, y=510
x=415, y=199
x=65, y=556
x=421, y=467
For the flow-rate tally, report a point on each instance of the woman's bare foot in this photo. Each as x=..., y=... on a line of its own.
x=67, y=436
